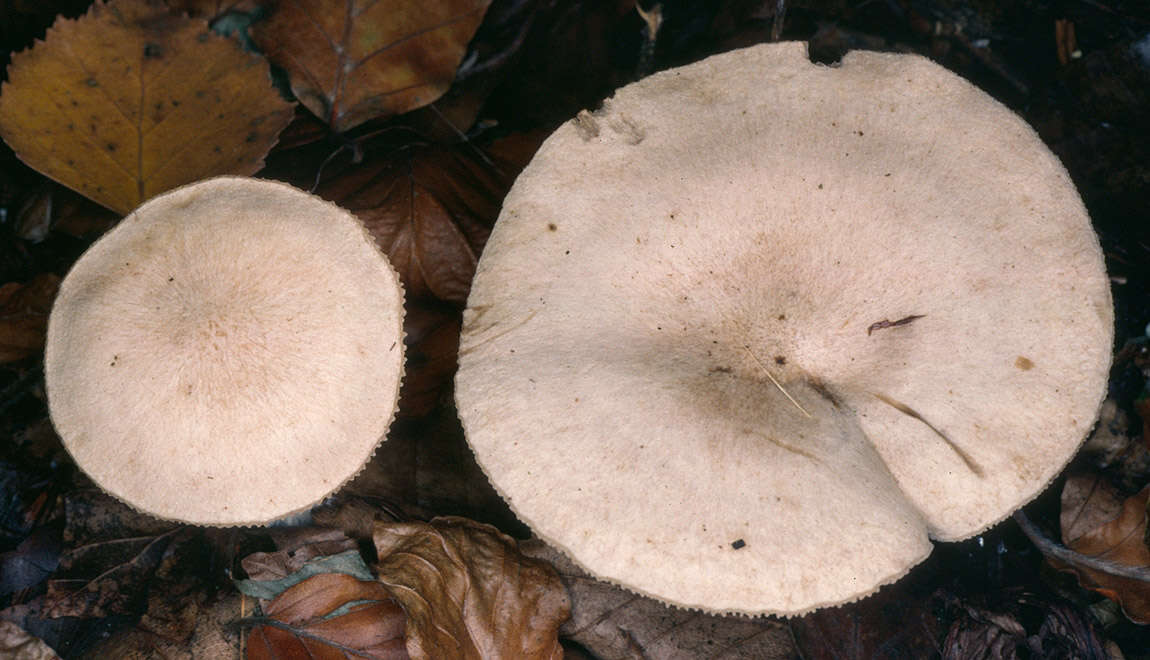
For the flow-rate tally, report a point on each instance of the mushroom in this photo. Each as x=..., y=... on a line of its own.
x=749, y=336
x=229, y=354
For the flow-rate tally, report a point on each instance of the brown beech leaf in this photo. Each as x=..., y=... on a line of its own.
x=331, y=615
x=1098, y=523
x=129, y=100
x=469, y=593
x=616, y=624
x=430, y=211
x=431, y=334
x=354, y=60
x=24, y=316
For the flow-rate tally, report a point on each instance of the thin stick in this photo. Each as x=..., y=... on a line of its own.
x=1062, y=553
x=777, y=383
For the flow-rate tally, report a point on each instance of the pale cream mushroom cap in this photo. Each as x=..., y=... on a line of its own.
x=228, y=354
x=751, y=217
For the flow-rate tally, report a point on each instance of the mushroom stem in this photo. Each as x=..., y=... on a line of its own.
x=776, y=382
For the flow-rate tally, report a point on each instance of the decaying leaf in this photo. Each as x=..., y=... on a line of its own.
x=103, y=579
x=214, y=637
x=469, y=593
x=272, y=573
x=895, y=622
x=296, y=546
x=129, y=100
x=1098, y=523
x=24, y=316
x=16, y=644
x=330, y=616
x=210, y=9
x=51, y=207
x=351, y=61
x=93, y=516
x=430, y=211
x=431, y=333
x=616, y=624
x=1015, y=624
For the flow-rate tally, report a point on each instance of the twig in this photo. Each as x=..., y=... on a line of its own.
x=777, y=20
x=1064, y=554
x=776, y=382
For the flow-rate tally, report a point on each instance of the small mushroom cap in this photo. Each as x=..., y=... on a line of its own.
x=229, y=354
x=748, y=336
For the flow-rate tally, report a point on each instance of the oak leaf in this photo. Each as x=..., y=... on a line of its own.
x=129, y=100
x=331, y=615
x=1098, y=523
x=354, y=60
x=469, y=593
x=24, y=312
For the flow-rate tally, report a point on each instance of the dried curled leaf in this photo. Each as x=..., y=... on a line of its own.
x=24, y=316
x=352, y=61
x=1098, y=523
x=128, y=101
x=469, y=593
x=331, y=615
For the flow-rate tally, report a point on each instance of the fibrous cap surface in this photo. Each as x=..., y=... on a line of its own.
x=894, y=247
x=229, y=354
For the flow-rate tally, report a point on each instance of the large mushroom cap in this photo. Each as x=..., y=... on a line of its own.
x=747, y=336
x=229, y=354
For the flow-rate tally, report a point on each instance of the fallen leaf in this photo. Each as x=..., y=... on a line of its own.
x=93, y=516
x=353, y=61
x=16, y=644
x=895, y=622
x=330, y=616
x=616, y=624
x=214, y=637
x=426, y=468
x=297, y=546
x=347, y=562
x=179, y=588
x=430, y=211
x=431, y=336
x=469, y=593
x=104, y=579
x=211, y=9
x=51, y=207
x=1097, y=522
x=31, y=562
x=1015, y=624
x=128, y=101
x=24, y=312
